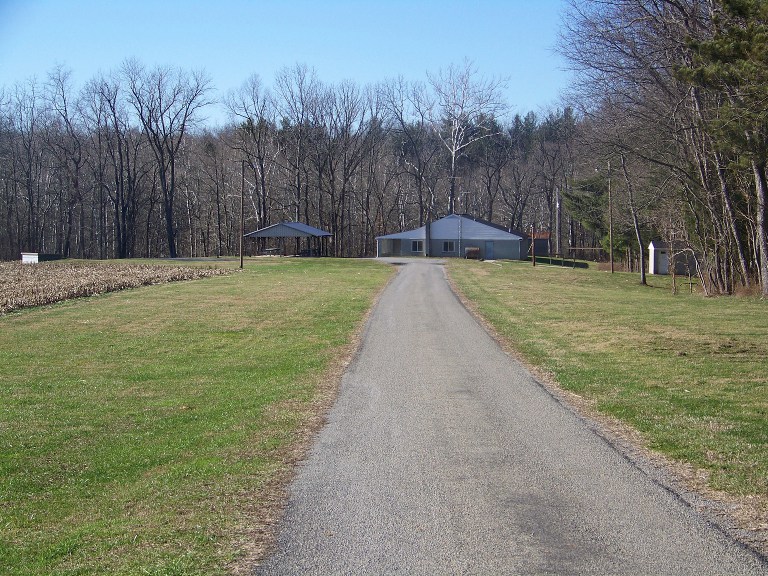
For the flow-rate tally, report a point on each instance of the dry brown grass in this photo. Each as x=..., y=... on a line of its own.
x=27, y=285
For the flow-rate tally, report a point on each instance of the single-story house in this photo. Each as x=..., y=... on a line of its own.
x=455, y=236
x=660, y=254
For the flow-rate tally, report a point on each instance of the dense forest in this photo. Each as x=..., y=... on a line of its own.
x=662, y=136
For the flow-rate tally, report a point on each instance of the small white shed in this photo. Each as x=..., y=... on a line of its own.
x=661, y=253
x=35, y=257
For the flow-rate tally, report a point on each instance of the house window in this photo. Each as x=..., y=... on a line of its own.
x=449, y=246
x=417, y=245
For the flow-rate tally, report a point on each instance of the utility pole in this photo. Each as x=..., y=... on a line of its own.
x=558, y=217
x=610, y=218
x=242, y=210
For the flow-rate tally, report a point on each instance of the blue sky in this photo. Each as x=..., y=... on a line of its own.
x=360, y=40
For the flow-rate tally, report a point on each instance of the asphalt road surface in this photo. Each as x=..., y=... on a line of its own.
x=442, y=455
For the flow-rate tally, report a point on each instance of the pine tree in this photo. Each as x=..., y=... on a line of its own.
x=734, y=62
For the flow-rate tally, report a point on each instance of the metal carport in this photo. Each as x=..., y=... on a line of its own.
x=317, y=240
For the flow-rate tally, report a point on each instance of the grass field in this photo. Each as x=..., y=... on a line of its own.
x=140, y=429
x=689, y=373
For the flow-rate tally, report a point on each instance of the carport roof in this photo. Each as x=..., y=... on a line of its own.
x=288, y=230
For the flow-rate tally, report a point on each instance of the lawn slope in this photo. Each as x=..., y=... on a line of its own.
x=689, y=373
x=140, y=431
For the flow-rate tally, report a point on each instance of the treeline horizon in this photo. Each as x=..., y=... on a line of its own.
x=662, y=136
x=123, y=167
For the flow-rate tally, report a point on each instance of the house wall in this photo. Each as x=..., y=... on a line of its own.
x=658, y=261
x=397, y=247
x=502, y=249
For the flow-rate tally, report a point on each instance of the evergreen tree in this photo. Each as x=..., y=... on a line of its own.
x=734, y=62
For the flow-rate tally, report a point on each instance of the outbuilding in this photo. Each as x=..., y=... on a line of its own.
x=455, y=236
x=661, y=254
x=35, y=257
x=316, y=239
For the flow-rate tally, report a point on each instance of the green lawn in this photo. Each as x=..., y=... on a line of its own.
x=689, y=372
x=139, y=429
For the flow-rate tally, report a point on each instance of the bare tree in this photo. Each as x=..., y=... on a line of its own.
x=65, y=138
x=376, y=175
x=252, y=108
x=216, y=171
x=491, y=156
x=521, y=174
x=118, y=160
x=466, y=111
x=732, y=63
x=297, y=92
x=167, y=102
x=26, y=117
x=410, y=107
x=8, y=203
x=627, y=55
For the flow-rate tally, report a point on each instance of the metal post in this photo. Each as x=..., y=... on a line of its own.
x=610, y=218
x=242, y=210
x=459, y=236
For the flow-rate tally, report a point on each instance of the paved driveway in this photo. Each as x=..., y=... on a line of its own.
x=443, y=455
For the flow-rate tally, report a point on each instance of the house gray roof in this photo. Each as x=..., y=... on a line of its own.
x=288, y=230
x=452, y=227
x=417, y=234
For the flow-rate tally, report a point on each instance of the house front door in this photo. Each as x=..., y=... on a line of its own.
x=489, y=250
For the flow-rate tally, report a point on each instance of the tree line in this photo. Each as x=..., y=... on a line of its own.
x=124, y=167
x=672, y=95
x=663, y=136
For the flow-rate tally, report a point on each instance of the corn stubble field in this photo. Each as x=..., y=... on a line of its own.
x=27, y=285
